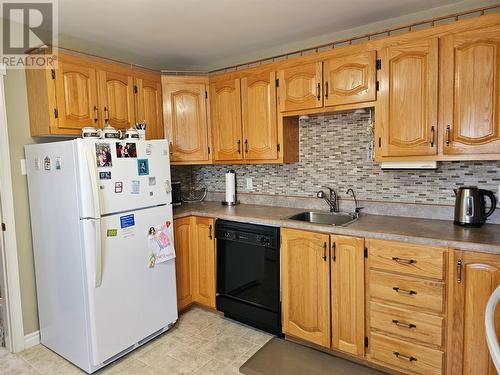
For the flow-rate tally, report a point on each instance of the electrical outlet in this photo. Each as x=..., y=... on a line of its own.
x=249, y=183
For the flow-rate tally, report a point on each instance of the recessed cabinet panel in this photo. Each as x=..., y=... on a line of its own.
x=183, y=261
x=475, y=277
x=258, y=104
x=305, y=285
x=225, y=105
x=350, y=79
x=407, y=111
x=186, y=121
x=301, y=87
x=149, y=107
x=471, y=92
x=76, y=95
x=116, y=97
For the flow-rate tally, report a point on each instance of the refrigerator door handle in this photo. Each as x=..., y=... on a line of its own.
x=98, y=254
x=93, y=180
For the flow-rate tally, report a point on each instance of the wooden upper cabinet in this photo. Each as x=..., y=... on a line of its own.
x=76, y=95
x=225, y=108
x=203, y=246
x=149, y=106
x=408, y=99
x=300, y=87
x=186, y=120
x=305, y=285
x=470, y=97
x=474, y=278
x=350, y=79
x=116, y=99
x=348, y=294
x=258, y=105
x=183, y=261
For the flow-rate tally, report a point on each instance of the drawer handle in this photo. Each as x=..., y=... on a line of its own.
x=404, y=261
x=404, y=291
x=404, y=325
x=405, y=357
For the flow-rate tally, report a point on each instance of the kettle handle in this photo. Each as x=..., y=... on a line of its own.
x=493, y=200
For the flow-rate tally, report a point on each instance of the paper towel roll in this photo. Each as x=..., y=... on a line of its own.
x=230, y=187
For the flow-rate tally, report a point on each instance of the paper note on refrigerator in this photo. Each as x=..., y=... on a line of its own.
x=161, y=247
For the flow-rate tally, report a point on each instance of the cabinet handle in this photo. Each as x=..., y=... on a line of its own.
x=404, y=357
x=404, y=261
x=404, y=291
x=448, y=135
x=318, y=91
x=96, y=114
x=334, y=252
x=239, y=146
x=459, y=271
x=106, y=114
x=433, y=136
x=404, y=325
x=170, y=147
x=326, y=90
x=324, y=251
x=210, y=231
x=246, y=146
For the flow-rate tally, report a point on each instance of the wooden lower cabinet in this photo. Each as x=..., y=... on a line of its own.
x=305, y=285
x=183, y=261
x=203, y=255
x=348, y=294
x=406, y=306
x=195, y=261
x=473, y=278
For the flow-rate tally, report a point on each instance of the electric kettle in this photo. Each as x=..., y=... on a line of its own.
x=470, y=207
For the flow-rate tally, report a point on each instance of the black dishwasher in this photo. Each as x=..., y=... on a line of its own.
x=248, y=274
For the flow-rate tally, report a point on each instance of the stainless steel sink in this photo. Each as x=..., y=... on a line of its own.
x=327, y=218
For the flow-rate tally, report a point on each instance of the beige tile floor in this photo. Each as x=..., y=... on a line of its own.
x=202, y=343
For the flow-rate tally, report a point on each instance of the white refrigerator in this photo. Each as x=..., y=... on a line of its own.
x=102, y=229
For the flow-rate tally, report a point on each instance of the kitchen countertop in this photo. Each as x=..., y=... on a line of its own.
x=415, y=230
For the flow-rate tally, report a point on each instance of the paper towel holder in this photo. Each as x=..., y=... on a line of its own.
x=235, y=200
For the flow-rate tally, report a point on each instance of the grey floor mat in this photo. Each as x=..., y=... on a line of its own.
x=279, y=356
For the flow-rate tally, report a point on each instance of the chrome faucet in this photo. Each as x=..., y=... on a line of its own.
x=332, y=200
x=356, y=208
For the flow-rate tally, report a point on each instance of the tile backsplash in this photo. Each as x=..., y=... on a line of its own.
x=335, y=151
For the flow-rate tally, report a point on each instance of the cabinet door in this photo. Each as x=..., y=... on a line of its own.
x=408, y=99
x=149, y=107
x=300, y=87
x=186, y=121
x=225, y=107
x=470, y=96
x=348, y=293
x=306, y=285
x=183, y=261
x=76, y=95
x=116, y=99
x=258, y=104
x=204, y=261
x=350, y=79
x=474, y=278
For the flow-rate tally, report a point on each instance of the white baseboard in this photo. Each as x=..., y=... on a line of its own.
x=31, y=339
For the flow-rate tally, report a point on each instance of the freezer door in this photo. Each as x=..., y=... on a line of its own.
x=118, y=176
x=132, y=300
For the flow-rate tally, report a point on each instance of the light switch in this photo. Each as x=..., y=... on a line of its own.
x=23, y=167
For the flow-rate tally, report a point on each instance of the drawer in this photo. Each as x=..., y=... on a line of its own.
x=406, y=356
x=406, y=290
x=413, y=325
x=411, y=259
